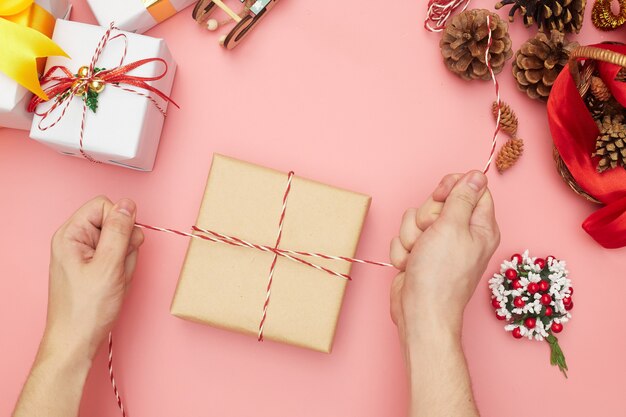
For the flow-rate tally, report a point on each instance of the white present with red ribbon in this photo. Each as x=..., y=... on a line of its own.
x=109, y=100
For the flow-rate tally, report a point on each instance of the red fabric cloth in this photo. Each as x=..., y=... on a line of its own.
x=574, y=133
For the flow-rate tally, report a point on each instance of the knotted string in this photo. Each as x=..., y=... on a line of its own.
x=440, y=11
x=60, y=84
x=292, y=255
x=437, y=15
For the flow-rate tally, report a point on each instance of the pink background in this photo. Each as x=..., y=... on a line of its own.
x=347, y=93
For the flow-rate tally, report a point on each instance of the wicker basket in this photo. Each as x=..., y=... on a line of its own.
x=582, y=79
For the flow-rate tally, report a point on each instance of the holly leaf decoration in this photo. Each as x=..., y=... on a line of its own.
x=91, y=100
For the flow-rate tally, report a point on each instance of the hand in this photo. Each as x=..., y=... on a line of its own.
x=442, y=251
x=93, y=258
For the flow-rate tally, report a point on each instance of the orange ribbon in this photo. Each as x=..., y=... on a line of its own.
x=25, y=30
x=160, y=9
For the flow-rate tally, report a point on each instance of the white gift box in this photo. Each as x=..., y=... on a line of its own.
x=126, y=128
x=135, y=15
x=13, y=97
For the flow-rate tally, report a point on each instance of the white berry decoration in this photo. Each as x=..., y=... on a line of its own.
x=534, y=297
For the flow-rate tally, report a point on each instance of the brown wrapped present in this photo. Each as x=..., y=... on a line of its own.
x=226, y=286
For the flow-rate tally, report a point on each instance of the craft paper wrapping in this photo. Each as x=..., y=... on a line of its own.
x=126, y=128
x=225, y=286
x=13, y=97
x=135, y=15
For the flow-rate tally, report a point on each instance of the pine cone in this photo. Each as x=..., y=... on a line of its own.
x=599, y=109
x=464, y=43
x=561, y=15
x=508, y=119
x=611, y=143
x=509, y=153
x=595, y=106
x=539, y=61
x=599, y=89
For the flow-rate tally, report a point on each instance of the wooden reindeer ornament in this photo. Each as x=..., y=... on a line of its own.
x=253, y=11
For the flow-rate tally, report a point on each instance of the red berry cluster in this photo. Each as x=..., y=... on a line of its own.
x=542, y=287
x=534, y=296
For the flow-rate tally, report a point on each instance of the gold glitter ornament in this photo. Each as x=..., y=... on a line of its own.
x=603, y=17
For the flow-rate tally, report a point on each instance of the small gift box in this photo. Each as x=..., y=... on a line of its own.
x=254, y=291
x=18, y=20
x=136, y=15
x=107, y=105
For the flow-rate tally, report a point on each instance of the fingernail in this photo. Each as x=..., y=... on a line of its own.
x=477, y=180
x=126, y=207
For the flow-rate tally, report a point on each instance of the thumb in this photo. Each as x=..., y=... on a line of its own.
x=117, y=230
x=464, y=197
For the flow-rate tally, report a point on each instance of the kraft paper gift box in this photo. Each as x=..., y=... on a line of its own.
x=13, y=97
x=225, y=286
x=126, y=128
x=136, y=15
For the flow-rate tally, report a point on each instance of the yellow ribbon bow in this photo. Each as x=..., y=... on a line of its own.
x=22, y=40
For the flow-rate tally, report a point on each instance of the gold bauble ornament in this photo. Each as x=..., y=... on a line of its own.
x=96, y=85
x=79, y=88
x=83, y=72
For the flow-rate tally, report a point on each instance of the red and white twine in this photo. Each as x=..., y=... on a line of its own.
x=496, y=86
x=112, y=377
x=437, y=15
x=439, y=12
x=275, y=258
